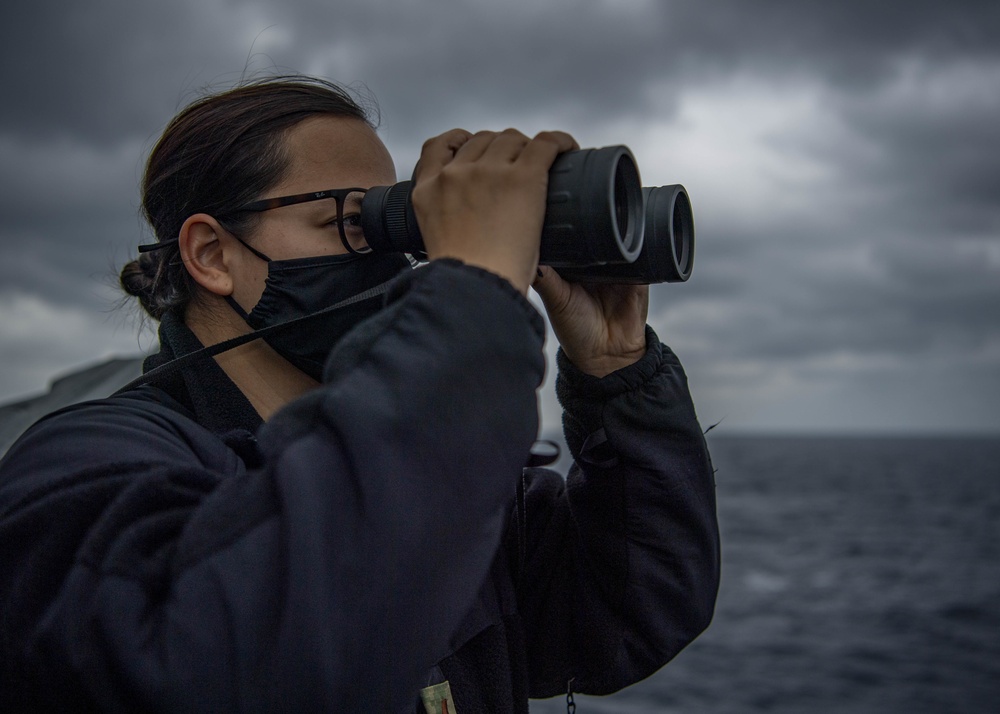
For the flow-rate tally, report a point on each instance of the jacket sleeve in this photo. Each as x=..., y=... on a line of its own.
x=618, y=565
x=142, y=569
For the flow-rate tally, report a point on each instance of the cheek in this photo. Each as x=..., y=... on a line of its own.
x=249, y=279
x=300, y=239
x=308, y=241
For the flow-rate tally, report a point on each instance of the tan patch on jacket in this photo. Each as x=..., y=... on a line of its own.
x=437, y=699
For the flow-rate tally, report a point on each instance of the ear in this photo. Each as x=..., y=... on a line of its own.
x=203, y=244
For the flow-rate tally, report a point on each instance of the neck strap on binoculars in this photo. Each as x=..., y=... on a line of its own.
x=176, y=365
x=542, y=453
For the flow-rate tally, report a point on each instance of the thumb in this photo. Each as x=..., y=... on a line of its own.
x=552, y=289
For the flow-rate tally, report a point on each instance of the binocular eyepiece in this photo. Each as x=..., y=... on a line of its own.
x=600, y=224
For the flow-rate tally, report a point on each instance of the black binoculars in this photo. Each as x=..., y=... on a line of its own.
x=600, y=225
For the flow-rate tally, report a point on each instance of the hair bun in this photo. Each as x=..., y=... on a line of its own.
x=139, y=278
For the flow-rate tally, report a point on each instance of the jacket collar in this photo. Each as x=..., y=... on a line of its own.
x=203, y=388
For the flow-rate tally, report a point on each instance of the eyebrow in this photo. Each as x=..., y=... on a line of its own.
x=268, y=204
x=353, y=200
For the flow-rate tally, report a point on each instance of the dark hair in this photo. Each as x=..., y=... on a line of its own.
x=219, y=153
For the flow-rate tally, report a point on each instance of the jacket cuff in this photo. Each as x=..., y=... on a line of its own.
x=584, y=396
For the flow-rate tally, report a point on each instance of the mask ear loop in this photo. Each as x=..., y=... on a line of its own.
x=251, y=248
x=179, y=363
x=237, y=308
x=150, y=247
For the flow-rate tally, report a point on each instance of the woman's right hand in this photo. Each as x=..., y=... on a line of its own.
x=481, y=198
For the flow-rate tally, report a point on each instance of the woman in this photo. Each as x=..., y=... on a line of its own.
x=336, y=517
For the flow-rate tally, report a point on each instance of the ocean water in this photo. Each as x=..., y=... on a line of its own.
x=860, y=575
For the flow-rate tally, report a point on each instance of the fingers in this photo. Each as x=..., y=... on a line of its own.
x=462, y=147
x=481, y=198
x=440, y=150
x=601, y=327
x=501, y=146
x=543, y=149
x=512, y=146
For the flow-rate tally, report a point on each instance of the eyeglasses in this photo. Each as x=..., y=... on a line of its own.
x=350, y=231
x=351, y=234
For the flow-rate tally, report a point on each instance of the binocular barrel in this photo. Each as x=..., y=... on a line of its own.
x=600, y=224
x=667, y=253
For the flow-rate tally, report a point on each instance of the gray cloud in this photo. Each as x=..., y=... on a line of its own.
x=841, y=159
x=111, y=69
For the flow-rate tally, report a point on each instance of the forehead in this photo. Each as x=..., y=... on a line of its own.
x=335, y=152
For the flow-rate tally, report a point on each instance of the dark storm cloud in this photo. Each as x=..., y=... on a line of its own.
x=890, y=254
x=849, y=44
x=898, y=258
x=104, y=70
x=941, y=135
x=80, y=68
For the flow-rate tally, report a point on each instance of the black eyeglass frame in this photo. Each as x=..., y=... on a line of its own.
x=339, y=195
x=268, y=204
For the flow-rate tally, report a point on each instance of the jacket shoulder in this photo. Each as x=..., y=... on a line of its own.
x=120, y=433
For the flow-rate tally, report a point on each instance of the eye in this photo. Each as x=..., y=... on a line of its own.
x=351, y=232
x=351, y=221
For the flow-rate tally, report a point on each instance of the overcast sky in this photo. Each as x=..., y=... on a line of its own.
x=842, y=158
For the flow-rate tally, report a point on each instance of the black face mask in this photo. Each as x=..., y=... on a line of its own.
x=305, y=286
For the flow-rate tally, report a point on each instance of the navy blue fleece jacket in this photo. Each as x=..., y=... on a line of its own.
x=162, y=550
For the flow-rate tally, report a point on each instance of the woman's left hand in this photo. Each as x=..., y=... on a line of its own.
x=601, y=327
